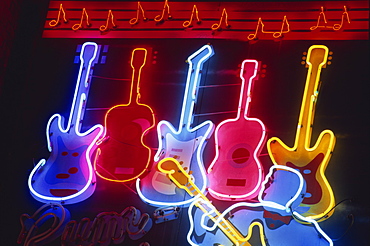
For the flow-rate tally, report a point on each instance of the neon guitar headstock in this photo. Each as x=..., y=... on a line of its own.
x=177, y=174
x=138, y=58
x=317, y=55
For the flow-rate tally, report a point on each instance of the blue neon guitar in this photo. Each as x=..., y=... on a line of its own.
x=185, y=144
x=67, y=175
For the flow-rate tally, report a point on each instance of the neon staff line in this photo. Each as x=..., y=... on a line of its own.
x=239, y=134
x=312, y=161
x=191, y=140
x=55, y=126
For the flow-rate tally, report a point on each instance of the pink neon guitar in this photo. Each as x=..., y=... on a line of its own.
x=67, y=176
x=236, y=173
x=311, y=161
x=122, y=155
x=186, y=143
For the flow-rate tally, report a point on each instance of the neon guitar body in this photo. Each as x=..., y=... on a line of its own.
x=186, y=144
x=67, y=175
x=310, y=160
x=122, y=155
x=236, y=172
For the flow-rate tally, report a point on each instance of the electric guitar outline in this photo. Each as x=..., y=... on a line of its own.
x=68, y=172
x=245, y=170
x=138, y=155
x=303, y=157
x=186, y=144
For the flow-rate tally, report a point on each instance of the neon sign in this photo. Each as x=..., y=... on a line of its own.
x=311, y=161
x=110, y=17
x=67, y=176
x=186, y=143
x=236, y=172
x=196, y=12
x=84, y=15
x=282, y=196
x=217, y=26
x=335, y=27
x=237, y=21
x=33, y=231
x=122, y=155
x=135, y=20
x=107, y=228
x=276, y=34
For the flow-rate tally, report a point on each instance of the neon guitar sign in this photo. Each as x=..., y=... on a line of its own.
x=122, y=155
x=311, y=161
x=236, y=173
x=186, y=144
x=293, y=188
x=67, y=175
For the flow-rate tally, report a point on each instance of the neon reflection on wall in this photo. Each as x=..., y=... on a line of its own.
x=45, y=225
x=67, y=176
x=311, y=161
x=122, y=154
x=186, y=143
x=236, y=172
x=282, y=192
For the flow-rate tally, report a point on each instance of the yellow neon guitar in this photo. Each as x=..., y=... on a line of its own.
x=310, y=160
x=182, y=179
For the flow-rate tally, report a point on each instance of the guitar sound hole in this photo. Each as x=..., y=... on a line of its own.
x=240, y=155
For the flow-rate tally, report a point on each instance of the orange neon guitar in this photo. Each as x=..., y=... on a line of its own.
x=236, y=173
x=182, y=179
x=311, y=161
x=122, y=155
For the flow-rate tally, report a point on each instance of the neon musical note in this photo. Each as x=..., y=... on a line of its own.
x=217, y=26
x=56, y=22
x=277, y=34
x=135, y=20
x=335, y=27
x=318, y=20
x=75, y=27
x=104, y=28
x=188, y=23
x=160, y=18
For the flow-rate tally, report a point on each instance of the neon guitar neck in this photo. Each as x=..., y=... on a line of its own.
x=310, y=160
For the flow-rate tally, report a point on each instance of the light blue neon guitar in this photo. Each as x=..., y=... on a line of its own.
x=185, y=144
x=67, y=176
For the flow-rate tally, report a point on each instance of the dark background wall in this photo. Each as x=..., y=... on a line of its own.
x=39, y=79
